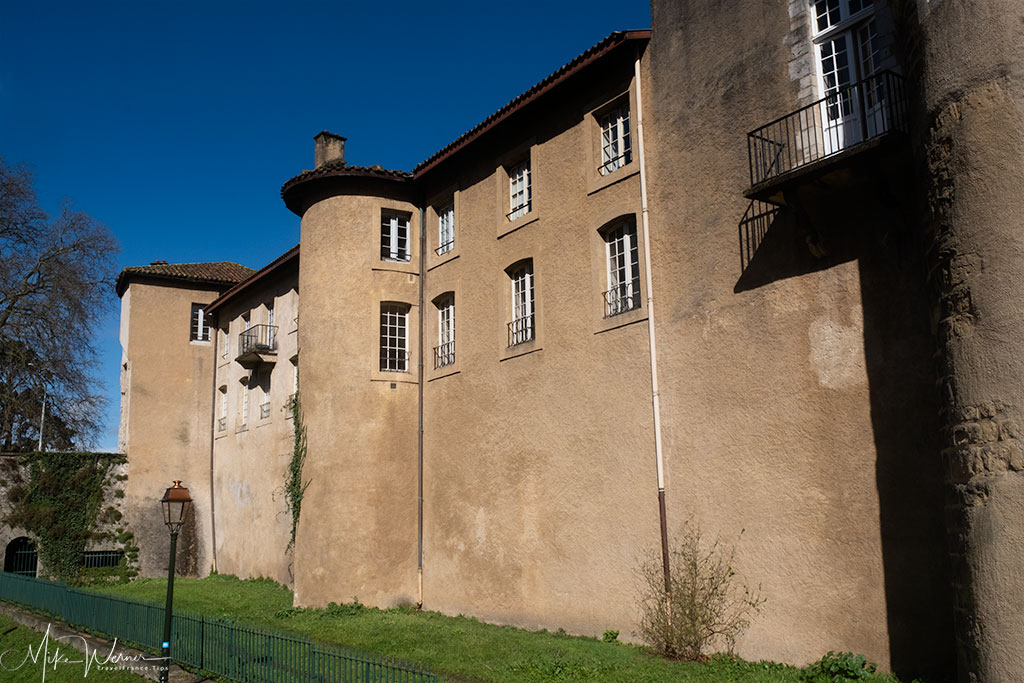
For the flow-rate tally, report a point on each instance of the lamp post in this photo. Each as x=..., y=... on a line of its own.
x=175, y=503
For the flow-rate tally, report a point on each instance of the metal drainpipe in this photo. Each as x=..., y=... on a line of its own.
x=213, y=427
x=419, y=407
x=655, y=401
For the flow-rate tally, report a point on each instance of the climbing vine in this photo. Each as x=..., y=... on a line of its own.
x=58, y=498
x=294, y=487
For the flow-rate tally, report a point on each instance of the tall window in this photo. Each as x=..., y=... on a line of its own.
x=445, y=229
x=616, y=150
x=264, y=385
x=244, y=402
x=522, y=328
x=222, y=420
x=623, y=270
x=520, y=193
x=848, y=51
x=444, y=352
x=199, y=330
x=225, y=342
x=394, y=340
x=394, y=236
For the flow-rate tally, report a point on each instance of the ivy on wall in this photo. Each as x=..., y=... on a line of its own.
x=58, y=498
x=294, y=488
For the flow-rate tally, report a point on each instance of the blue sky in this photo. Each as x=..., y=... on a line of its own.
x=175, y=123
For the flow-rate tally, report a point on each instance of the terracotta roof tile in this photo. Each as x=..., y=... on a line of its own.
x=340, y=168
x=217, y=272
x=580, y=61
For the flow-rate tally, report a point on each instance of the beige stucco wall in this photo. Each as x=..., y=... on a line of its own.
x=251, y=457
x=540, y=487
x=167, y=427
x=797, y=392
x=357, y=532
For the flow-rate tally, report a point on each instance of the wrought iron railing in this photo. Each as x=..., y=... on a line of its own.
x=520, y=330
x=258, y=338
x=265, y=410
x=222, y=424
x=838, y=121
x=622, y=298
x=445, y=248
x=211, y=646
x=444, y=354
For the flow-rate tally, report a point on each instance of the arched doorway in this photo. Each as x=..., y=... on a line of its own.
x=20, y=557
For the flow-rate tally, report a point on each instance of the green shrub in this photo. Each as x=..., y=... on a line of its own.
x=610, y=636
x=836, y=667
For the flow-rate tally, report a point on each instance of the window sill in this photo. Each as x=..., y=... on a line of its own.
x=524, y=349
x=615, y=322
x=599, y=182
x=508, y=227
x=442, y=260
x=446, y=371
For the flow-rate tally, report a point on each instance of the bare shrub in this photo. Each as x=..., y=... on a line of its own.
x=707, y=606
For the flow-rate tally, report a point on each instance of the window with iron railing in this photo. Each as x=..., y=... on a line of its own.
x=623, y=293
x=616, y=150
x=444, y=352
x=265, y=410
x=521, y=328
x=520, y=191
x=445, y=230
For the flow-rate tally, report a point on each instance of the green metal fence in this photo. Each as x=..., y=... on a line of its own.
x=213, y=646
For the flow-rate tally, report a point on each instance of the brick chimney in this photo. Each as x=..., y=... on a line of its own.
x=328, y=147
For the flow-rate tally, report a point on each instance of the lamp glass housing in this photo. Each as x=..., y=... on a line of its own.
x=175, y=503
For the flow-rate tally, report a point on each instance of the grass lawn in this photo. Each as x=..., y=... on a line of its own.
x=15, y=641
x=458, y=648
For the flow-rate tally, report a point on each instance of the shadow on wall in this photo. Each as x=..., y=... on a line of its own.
x=777, y=243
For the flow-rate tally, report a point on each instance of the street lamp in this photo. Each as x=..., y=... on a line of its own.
x=175, y=503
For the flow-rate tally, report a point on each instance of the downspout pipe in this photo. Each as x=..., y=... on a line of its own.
x=655, y=399
x=213, y=427
x=419, y=410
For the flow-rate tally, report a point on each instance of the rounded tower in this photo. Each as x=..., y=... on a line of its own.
x=358, y=380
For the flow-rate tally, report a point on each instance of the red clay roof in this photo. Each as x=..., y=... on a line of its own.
x=555, y=79
x=289, y=258
x=340, y=168
x=218, y=272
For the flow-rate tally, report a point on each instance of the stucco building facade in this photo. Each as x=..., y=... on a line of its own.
x=755, y=289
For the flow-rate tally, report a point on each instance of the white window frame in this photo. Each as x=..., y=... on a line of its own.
x=523, y=326
x=245, y=403
x=199, y=326
x=622, y=257
x=445, y=351
x=445, y=229
x=394, y=231
x=264, y=385
x=225, y=339
x=837, y=36
x=222, y=421
x=394, y=337
x=520, y=190
x=616, y=141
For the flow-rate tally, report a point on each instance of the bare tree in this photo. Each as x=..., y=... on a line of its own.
x=55, y=282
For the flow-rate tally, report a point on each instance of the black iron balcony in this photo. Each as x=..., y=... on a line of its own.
x=847, y=121
x=444, y=355
x=520, y=330
x=622, y=298
x=256, y=345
